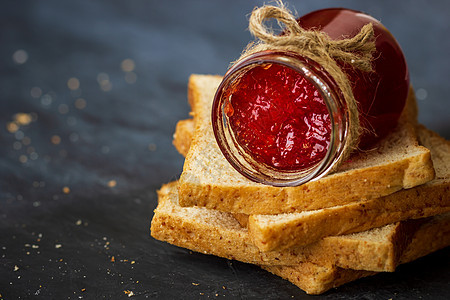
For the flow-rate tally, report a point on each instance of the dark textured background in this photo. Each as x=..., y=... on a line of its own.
x=114, y=153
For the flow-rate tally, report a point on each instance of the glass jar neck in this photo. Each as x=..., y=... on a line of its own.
x=242, y=161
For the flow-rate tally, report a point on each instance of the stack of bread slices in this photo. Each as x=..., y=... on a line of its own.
x=383, y=207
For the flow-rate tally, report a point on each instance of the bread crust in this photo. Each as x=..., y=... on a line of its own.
x=316, y=279
x=183, y=135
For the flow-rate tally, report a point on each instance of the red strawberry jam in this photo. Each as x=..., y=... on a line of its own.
x=279, y=117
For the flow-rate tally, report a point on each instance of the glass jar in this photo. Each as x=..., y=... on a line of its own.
x=279, y=118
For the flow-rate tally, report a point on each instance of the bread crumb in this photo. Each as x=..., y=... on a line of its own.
x=80, y=103
x=113, y=259
x=195, y=283
x=56, y=140
x=57, y=246
x=23, y=158
x=16, y=268
x=83, y=290
x=129, y=293
x=12, y=127
x=78, y=223
x=112, y=183
x=22, y=118
x=66, y=190
x=127, y=65
x=73, y=83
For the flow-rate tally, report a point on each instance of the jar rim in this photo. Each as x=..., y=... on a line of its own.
x=333, y=98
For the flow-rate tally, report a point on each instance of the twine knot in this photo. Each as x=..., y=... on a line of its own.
x=356, y=51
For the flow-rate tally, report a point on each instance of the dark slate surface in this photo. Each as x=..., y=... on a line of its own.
x=77, y=184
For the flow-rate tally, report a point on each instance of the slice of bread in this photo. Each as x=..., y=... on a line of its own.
x=270, y=232
x=219, y=233
x=313, y=267
x=183, y=135
x=431, y=236
x=286, y=230
x=317, y=279
x=208, y=180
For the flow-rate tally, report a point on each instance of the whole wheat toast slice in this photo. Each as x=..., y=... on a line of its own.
x=286, y=230
x=219, y=233
x=208, y=180
x=432, y=235
x=316, y=279
x=182, y=137
x=313, y=267
x=270, y=232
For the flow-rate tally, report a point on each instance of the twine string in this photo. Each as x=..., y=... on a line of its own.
x=356, y=51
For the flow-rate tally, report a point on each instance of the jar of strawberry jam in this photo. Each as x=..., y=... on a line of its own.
x=280, y=118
